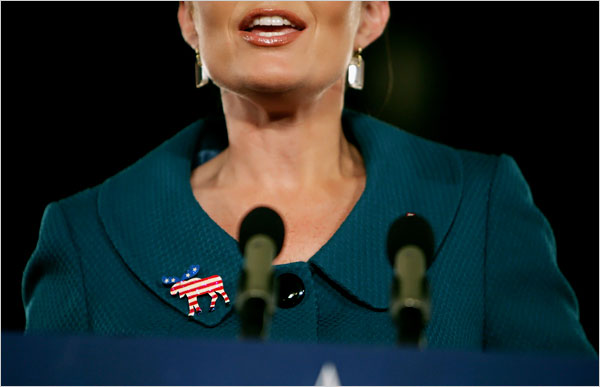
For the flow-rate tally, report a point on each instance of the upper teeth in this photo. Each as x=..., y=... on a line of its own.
x=271, y=21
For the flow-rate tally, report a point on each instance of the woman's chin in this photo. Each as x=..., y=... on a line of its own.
x=269, y=78
x=277, y=89
x=271, y=88
x=273, y=83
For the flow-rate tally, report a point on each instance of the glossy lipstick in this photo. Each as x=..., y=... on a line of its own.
x=278, y=35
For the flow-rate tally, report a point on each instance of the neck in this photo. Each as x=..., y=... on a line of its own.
x=286, y=148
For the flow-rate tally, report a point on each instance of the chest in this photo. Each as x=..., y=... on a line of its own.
x=119, y=304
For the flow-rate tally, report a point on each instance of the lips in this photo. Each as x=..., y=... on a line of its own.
x=270, y=27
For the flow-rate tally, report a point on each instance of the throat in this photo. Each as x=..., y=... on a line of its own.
x=310, y=218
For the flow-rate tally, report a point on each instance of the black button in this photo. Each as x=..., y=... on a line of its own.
x=291, y=290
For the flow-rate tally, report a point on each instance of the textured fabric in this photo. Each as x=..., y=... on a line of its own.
x=495, y=283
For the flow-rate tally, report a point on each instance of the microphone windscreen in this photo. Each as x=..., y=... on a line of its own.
x=262, y=220
x=410, y=230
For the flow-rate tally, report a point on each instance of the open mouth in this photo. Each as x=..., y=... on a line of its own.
x=269, y=27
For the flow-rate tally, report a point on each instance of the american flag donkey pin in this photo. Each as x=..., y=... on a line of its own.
x=194, y=287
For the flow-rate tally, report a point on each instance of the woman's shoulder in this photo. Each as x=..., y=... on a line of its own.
x=428, y=158
x=170, y=156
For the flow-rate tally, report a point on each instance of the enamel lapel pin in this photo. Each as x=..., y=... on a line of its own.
x=194, y=287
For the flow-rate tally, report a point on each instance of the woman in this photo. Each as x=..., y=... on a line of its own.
x=339, y=179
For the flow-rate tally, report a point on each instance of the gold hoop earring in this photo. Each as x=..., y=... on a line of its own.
x=356, y=71
x=201, y=75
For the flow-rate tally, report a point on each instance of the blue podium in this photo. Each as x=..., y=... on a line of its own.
x=34, y=360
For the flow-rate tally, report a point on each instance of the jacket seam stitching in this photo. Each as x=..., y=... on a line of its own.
x=485, y=251
x=80, y=265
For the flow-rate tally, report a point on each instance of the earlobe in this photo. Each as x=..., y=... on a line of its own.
x=186, y=23
x=374, y=18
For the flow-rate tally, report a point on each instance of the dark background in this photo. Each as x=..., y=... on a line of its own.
x=90, y=88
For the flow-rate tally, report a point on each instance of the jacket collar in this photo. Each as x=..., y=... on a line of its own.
x=405, y=173
x=158, y=228
x=152, y=218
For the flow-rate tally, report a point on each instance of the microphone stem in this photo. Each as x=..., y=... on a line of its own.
x=256, y=301
x=410, y=298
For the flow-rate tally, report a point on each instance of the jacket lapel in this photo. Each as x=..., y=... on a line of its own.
x=405, y=173
x=158, y=228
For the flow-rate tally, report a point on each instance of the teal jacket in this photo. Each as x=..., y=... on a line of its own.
x=495, y=283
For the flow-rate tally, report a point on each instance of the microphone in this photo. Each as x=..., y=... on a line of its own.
x=260, y=240
x=410, y=246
